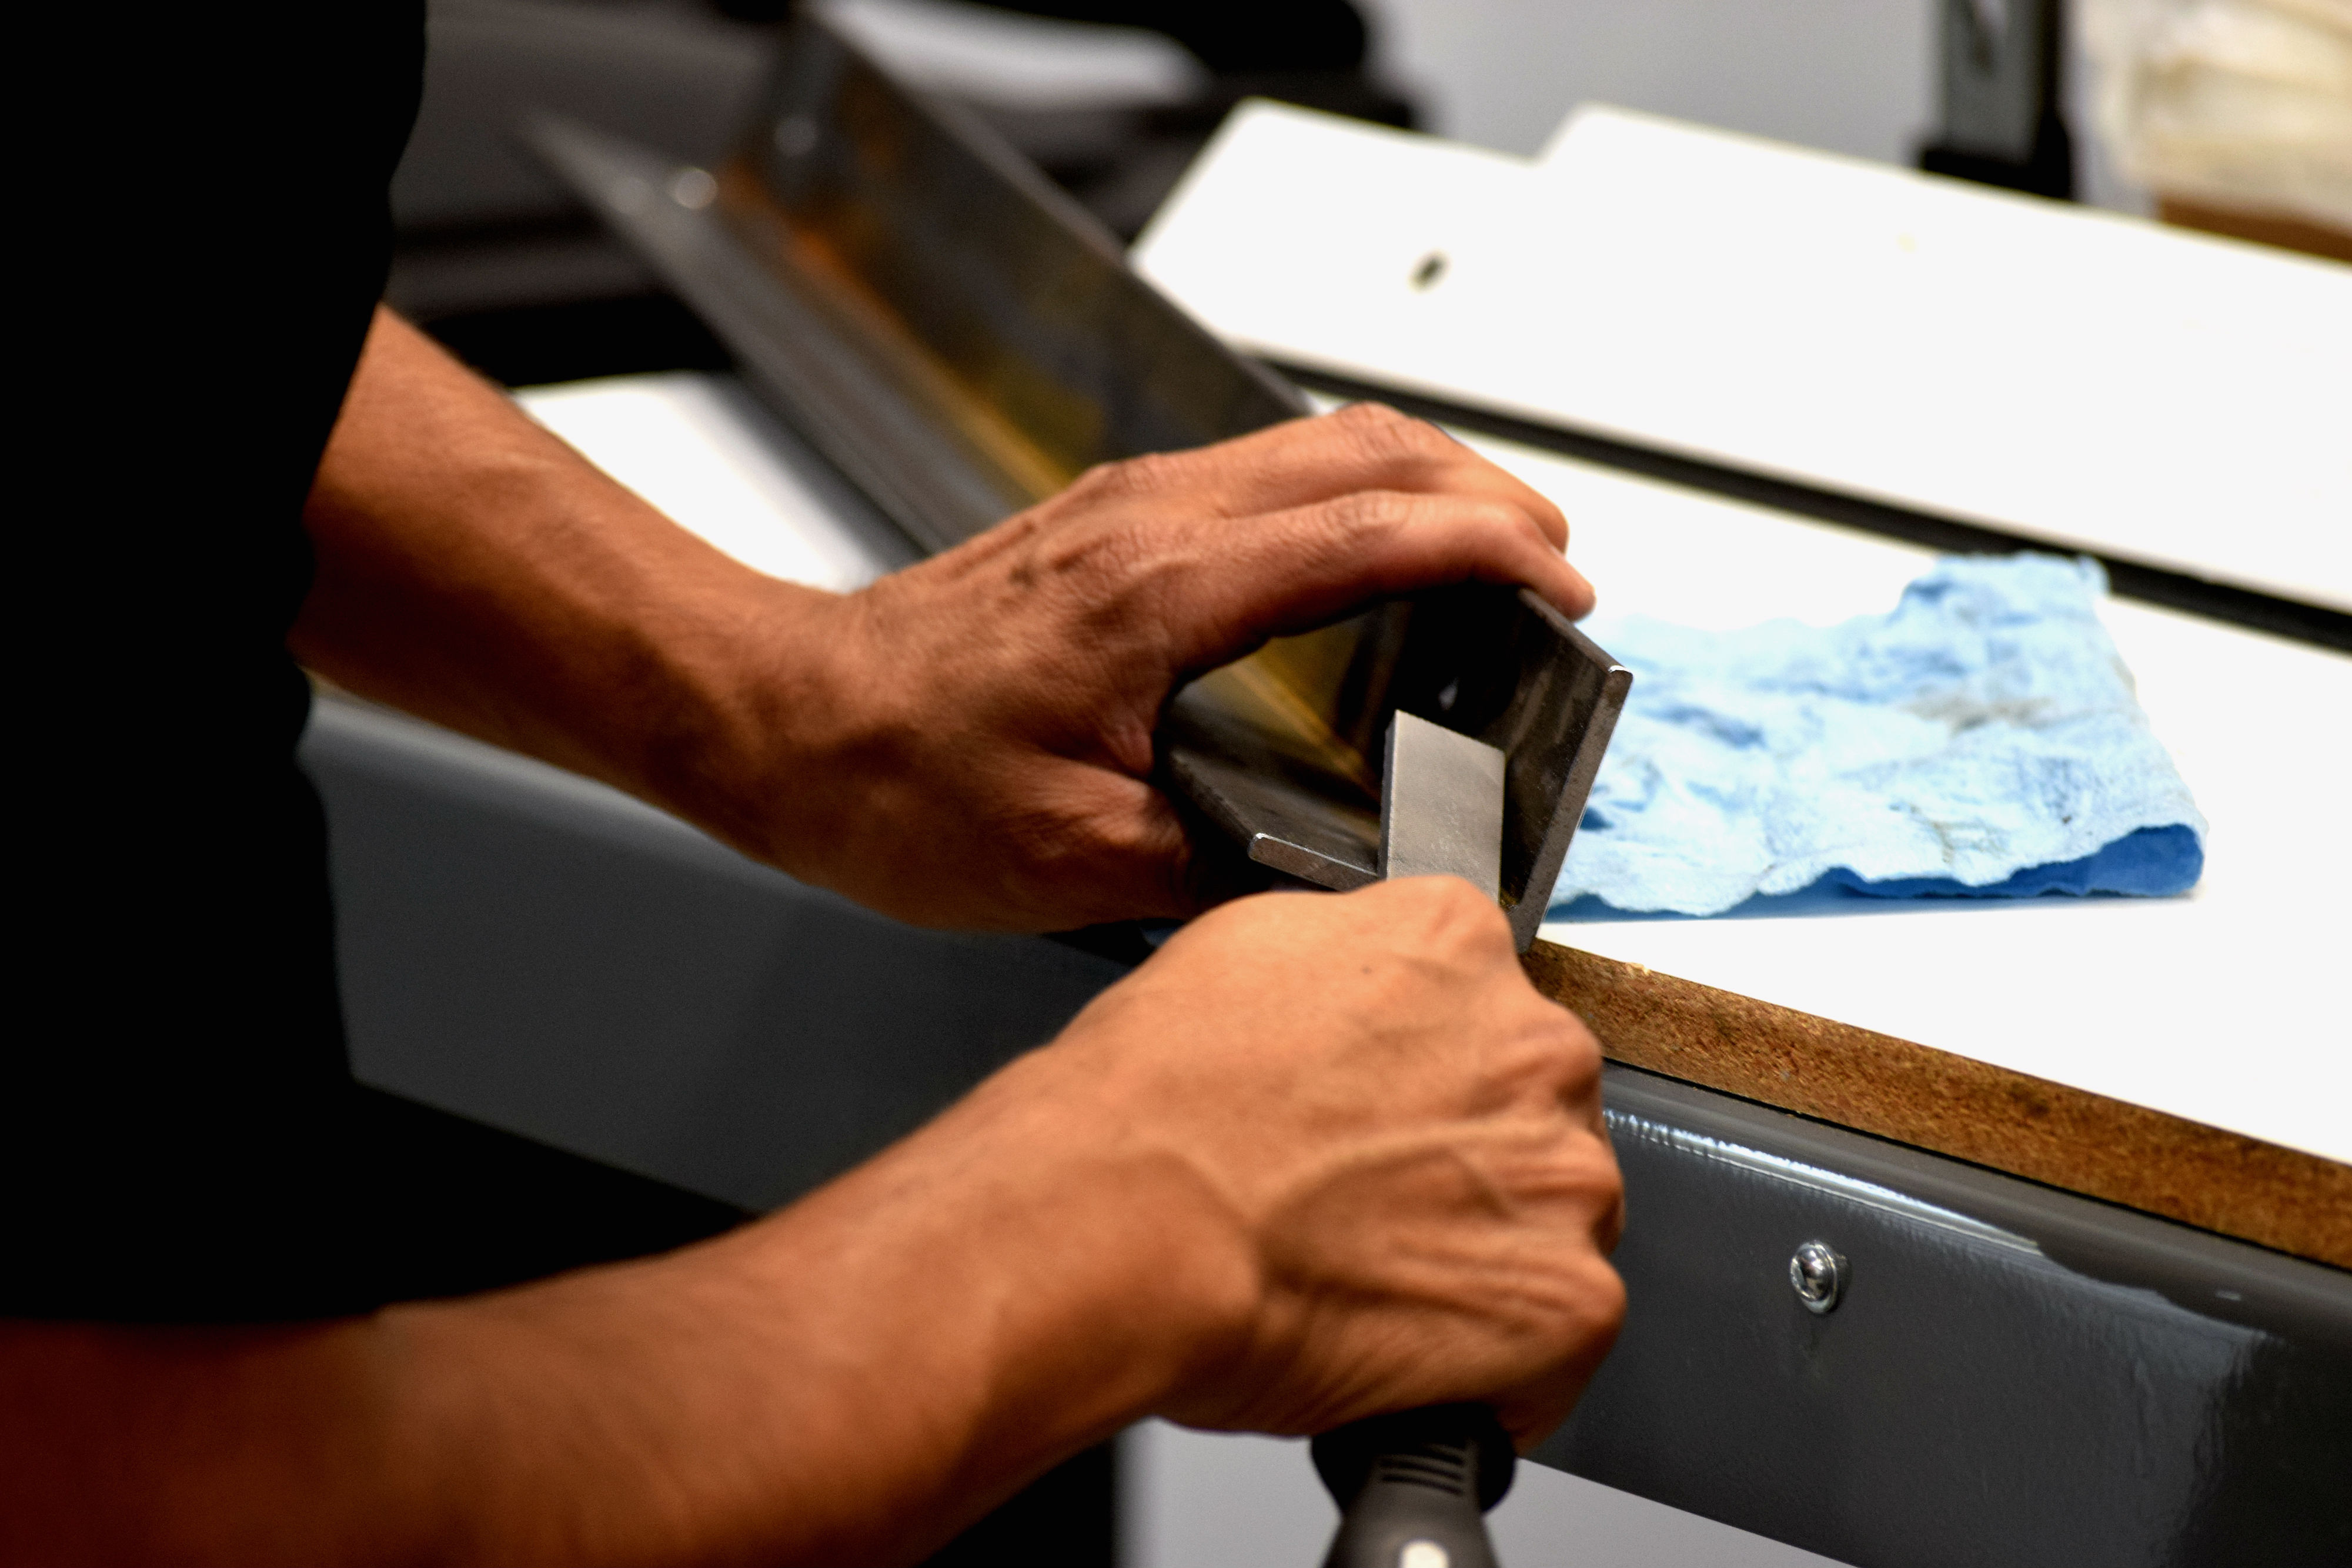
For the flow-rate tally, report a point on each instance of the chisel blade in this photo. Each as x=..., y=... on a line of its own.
x=1442, y=805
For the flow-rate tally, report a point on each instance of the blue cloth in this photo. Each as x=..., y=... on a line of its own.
x=1982, y=740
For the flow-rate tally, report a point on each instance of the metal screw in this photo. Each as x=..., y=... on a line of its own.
x=1817, y=1273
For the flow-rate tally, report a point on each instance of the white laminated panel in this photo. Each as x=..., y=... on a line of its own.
x=2080, y=378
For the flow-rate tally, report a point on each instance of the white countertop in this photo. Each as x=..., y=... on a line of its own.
x=2224, y=1006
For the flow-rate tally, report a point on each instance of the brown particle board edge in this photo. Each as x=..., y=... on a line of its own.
x=2029, y=1127
x=2285, y=230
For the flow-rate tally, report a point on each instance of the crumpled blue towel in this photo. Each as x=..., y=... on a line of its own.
x=1982, y=739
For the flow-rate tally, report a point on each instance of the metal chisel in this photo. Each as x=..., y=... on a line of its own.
x=1413, y=1488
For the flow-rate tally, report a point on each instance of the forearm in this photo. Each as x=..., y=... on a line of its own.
x=905, y=1351
x=1220, y=1195
x=968, y=742
x=847, y=1381
x=474, y=570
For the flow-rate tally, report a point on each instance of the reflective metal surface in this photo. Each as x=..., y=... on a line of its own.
x=1496, y=664
x=953, y=330
x=1440, y=805
x=1817, y=1273
x=2015, y=1376
x=2011, y=1375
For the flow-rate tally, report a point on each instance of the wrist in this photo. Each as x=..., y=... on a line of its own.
x=824, y=749
x=749, y=740
x=1156, y=1284
x=1101, y=1275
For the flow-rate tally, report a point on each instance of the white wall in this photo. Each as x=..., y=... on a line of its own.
x=1848, y=76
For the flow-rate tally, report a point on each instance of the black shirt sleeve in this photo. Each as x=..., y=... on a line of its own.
x=208, y=233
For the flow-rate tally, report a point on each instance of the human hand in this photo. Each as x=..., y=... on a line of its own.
x=969, y=742
x=1324, y=1156
x=1399, y=1179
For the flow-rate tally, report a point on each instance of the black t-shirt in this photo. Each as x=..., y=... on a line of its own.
x=208, y=233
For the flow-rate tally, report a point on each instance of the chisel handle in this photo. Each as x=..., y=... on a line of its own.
x=1413, y=1488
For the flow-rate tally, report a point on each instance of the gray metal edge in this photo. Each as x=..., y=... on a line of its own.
x=2214, y=1275
x=1527, y=916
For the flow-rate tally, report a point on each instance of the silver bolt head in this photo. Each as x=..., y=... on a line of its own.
x=1817, y=1273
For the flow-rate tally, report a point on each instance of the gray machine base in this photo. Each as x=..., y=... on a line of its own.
x=2009, y=1375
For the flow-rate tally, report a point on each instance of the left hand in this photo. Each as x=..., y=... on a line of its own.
x=969, y=742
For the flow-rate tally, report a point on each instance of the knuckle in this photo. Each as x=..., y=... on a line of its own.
x=1151, y=472
x=1551, y=1063
x=1611, y=1229
x=1368, y=415
x=1497, y=513
x=1575, y=1044
x=1573, y=1300
x=1368, y=512
x=1091, y=485
x=1574, y=1058
x=1480, y=924
x=1108, y=563
x=1384, y=432
x=1592, y=1217
x=1603, y=1297
x=1607, y=1180
x=1509, y=527
x=1444, y=914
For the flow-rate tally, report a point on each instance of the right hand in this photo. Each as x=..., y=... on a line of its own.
x=1396, y=1142
x=1323, y=1156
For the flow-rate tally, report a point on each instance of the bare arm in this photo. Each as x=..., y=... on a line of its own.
x=1220, y=1195
x=967, y=742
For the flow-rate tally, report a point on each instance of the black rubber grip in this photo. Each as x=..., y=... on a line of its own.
x=1413, y=1488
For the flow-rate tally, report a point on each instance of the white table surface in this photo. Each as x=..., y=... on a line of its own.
x=703, y=451
x=2224, y=1005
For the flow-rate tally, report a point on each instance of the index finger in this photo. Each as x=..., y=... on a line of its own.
x=1365, y=446
x=1304, y=568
